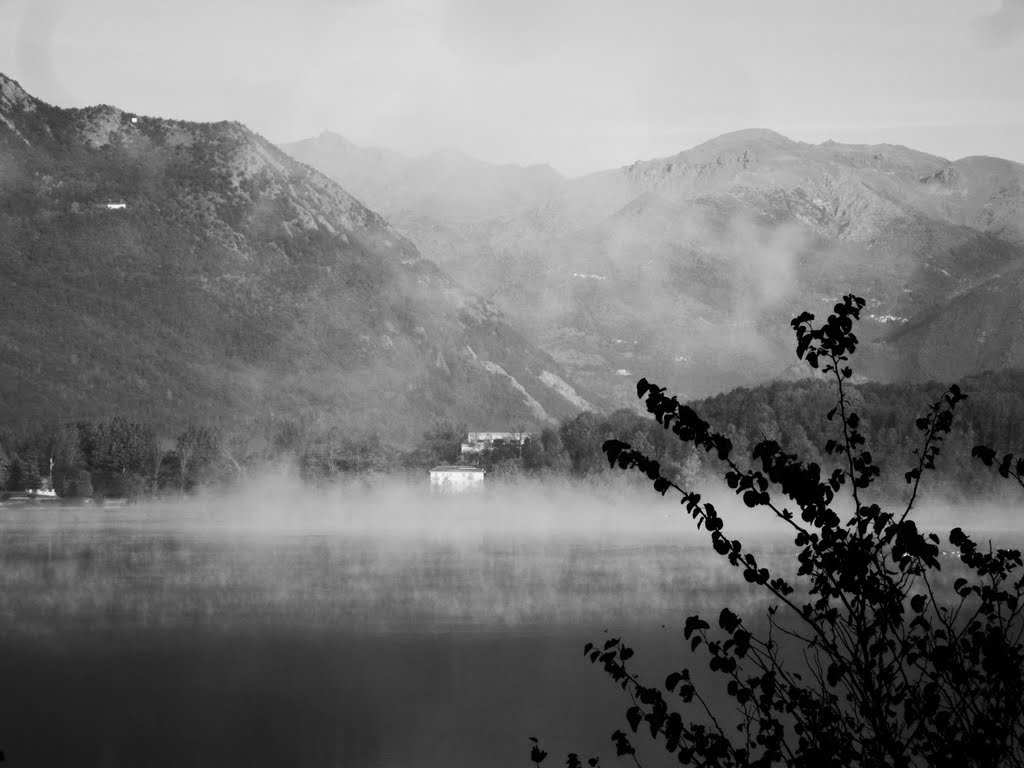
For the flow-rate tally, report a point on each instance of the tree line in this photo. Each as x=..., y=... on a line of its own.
x=124, y=458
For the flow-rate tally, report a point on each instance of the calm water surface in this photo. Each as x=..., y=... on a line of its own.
x=132, y=640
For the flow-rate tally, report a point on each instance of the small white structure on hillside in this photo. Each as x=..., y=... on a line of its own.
x=117, y=205
x=45, y=489
x=456, y=479
x=478, y=442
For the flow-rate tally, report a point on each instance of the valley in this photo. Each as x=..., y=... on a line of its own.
x=688, y=268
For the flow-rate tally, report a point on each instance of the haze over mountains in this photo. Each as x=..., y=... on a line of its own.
x=237, y=283
x=687, y=269
x=234, y=283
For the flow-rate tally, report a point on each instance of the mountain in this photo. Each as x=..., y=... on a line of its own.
x=688, y=268
x=182, y=271
x=445, y=185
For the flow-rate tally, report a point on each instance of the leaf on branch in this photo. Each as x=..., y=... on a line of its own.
x=672, y=681
x=1004, y=465
x=728, y=620
x=622, y=745
x=634, y=717
x=694, y=624
x=834, y=673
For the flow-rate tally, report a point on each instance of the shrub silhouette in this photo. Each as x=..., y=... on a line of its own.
x=899, y=666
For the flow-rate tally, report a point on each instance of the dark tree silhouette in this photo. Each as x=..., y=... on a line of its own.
x=874, y=654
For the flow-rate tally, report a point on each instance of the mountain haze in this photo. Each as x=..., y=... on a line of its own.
x=688, y=268
x=445, y=185
x=235, y=283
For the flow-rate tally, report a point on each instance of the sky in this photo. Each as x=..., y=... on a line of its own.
x=583, y=85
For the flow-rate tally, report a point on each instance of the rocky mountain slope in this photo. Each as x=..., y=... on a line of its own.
x=181, y=271
x=688, y=268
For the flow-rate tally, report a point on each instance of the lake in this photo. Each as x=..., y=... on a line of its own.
x=356, y=631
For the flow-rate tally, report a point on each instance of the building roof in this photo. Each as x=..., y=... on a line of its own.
x=456, y=468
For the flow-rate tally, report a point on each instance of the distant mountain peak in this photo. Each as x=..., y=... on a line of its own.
x=990, y=164
x=750, y=136
x=336, y=138
x=446, y=183
x=748, y=142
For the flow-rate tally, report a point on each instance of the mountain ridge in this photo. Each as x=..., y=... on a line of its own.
x=193, y=271
x=444, y=183
x=695, y=257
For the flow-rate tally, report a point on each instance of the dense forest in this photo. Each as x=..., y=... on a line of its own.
x=122, y=458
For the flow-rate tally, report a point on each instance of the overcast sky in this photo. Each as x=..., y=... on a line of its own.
x=581, y=84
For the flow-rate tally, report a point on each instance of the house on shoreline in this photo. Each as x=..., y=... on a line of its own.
x=17, y=498
x=456, y=478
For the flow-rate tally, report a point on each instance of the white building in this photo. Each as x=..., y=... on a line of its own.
x=477, y=442
x=456, y=479
x=117, y=205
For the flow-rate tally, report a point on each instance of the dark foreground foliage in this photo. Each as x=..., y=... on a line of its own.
x=894, y=666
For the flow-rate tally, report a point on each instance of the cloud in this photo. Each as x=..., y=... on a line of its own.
x=1004, y=27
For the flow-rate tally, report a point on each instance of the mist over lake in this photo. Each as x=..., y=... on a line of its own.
x=369, y=628
x=348, y=627
x=322, y=332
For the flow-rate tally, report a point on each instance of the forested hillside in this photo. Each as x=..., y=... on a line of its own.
x=794, y=414
x=175, y=272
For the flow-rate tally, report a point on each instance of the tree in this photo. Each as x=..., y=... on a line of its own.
x=580, y=438
x=68, y=460
x=440, y=444
x=5, y=468
x=293, y=436
x=873, y=656
x=23, y=473
x=508, y=455
x=119, y=454
x=544, y=452
x=77, y=485
x=337, y=451
x=155, y=464
x=196, y=449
